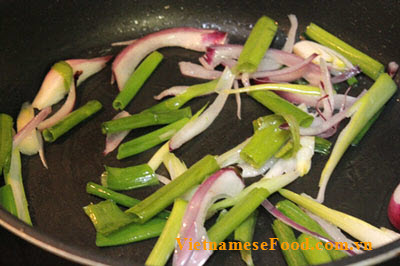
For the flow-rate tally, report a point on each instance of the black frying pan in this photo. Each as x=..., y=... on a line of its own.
x=35, y=34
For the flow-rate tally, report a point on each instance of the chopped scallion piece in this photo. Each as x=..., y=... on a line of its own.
x=368, y=65
x=136, y=80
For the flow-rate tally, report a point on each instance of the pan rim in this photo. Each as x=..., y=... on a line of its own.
x=73, y=253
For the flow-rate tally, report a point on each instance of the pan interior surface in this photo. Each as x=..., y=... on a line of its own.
x=35, y=35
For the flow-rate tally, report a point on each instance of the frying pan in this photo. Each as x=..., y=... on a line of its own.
x=35, y=34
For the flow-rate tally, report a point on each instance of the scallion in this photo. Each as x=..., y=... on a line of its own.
x=256, y=45
x=145, y=119
x=136, y=80
x=163, y=197
x=368, y=65
x=150, y=140
x=6, y=135
x=285, y=234
x=166, y=242
x=279, y=105
x=63, y=126
x=7, y=199
x=129, y=177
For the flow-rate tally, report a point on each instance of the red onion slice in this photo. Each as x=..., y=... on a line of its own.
x=312, y=74
x=189, y=38
x=216, y=54
x=27, y=129
x=392, y=69
x=196, y=71
x=288, y=47
x=222, y=184
x=67, y=107
x=87, y=67
x=346, y=75
x=319, y=126
x=123, y=43
x=312, y=101
x=279, y=215
x=227, y=54
x=201, y=123
x=173, y=91
x=51, y=91
x=326, y=89
x=268, y=63
x=287, y=74
x=238, y=101
x=114, y=139
x=41, y=150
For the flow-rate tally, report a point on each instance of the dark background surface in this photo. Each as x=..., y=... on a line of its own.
x=34, y=35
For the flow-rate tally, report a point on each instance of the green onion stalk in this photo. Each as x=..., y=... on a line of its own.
x=278, y=105
x=107, y=217
x=178, y=101
x=131, y=233
x=355, y=227
x=7, y=199
x=264, y=144
x=270, y=184
x=293, y=88
x=368, y=65
x=150, y=140
x=119, y=198
x=166, y=242
x=73, y=119
x=285, y=234
x=244, y=233
x=237, y=215
x=145, y=119
x=256, y=45
x=363, y=112
x=293, y=212
x=128, y=178
x=315, y=256
x=322, y=145
x=136, y=80
x=6, y=140
x=163, y=197
x=14, y=178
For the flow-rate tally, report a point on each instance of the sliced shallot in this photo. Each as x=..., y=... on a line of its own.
x=345, y=75
x=31, y=125
x=197, y=71
x=312, y=101
x=173, y=91
x=87, y=67
x=291, y=38
x=287, y=74
x=41, y=150
x=222, y=184
x=65, y=109
x=189, y=38
x=216, y=54
x=114, y=139
x=326, y=90
x=238, y=101
x=392, y=69
x=54, y=86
